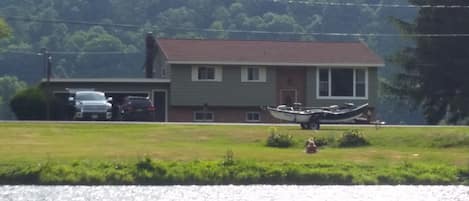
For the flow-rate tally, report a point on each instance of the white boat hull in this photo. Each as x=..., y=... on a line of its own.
x=322, y=115
x=337, y=121
x=297, y=117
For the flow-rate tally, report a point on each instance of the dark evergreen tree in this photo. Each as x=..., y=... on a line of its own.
x=435, y=69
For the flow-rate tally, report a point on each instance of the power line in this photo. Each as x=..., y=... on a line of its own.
x=327, y=33
x=29, y=19
x=320, y=3
x=332, y=34
x=72, y=52
x=92, y=53
x=19, y=52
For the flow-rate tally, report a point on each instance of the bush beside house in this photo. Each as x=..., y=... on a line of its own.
x=29, y=104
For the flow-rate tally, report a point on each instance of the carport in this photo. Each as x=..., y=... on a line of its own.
x=156, y=89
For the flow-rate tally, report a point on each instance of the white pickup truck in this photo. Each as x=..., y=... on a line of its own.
x=91, y=105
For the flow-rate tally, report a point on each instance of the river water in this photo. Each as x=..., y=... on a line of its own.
x=234, y=193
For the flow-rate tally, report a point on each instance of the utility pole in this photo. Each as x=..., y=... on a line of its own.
x=44, y=53
x=46, y=74
x=49, y=73
x=49, y=67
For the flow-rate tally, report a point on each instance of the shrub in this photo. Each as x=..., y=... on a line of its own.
x=279, y=140
x=322, y=141
x=29, y=104
x=352, y=138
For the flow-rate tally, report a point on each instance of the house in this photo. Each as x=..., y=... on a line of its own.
x=230, y=80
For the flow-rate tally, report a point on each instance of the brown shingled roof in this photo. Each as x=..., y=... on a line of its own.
x=236, y=52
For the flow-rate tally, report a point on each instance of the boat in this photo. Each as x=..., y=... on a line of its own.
x=312, y=117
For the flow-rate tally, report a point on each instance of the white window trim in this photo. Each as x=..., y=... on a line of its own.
x=218, y=74
x=195, y=120
x=262, y=74
x=247, y=116
x=354, y=97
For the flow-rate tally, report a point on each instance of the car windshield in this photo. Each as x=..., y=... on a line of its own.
x=90, y=96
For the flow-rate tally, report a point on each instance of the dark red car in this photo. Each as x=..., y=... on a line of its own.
x=137, y=108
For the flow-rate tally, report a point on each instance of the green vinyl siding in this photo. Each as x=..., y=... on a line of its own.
x=311, y=95
x=229, y=92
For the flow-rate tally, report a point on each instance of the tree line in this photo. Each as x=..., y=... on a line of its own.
x=53, y=24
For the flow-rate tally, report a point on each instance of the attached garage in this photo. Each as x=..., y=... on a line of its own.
x=156, y=89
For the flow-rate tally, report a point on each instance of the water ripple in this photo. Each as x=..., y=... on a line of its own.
x=234, y=193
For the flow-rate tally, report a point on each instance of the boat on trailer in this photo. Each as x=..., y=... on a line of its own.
x=312, y=117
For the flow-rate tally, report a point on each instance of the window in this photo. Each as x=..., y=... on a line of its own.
x=253, y=116
x=360, y=83
x=203, y=116
x=206, y=73
x=323, y=82
x=342, y=83
x=253, y=74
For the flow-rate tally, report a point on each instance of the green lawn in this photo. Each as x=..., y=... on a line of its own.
x=30, y=143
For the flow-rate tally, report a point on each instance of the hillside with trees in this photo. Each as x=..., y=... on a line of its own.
x=105, y=38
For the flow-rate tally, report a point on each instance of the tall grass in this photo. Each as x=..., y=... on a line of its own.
x=151, y=172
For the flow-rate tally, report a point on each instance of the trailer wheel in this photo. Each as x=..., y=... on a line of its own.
x=314, y=124
x=305, y=126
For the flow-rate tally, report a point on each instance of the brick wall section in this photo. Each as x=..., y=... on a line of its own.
x=222, y=114
x=231, y=114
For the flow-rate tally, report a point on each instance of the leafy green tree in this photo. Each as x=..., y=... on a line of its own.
x=96, y=39
x=435, y=69
x=4, y=29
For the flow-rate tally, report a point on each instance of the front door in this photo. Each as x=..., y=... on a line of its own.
x=291, y=84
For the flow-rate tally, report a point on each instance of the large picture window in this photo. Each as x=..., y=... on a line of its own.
x=342, y=83
x=206, y=73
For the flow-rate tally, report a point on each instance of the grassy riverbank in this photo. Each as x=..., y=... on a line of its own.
x=150, y=172
x=195, y=154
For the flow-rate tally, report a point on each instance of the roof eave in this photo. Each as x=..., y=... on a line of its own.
x=246, y=63
x=106, y=80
